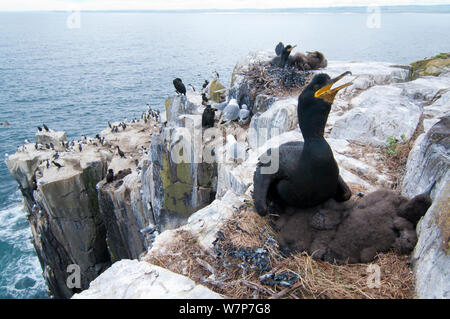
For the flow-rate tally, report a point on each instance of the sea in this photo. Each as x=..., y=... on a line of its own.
x=74, y=71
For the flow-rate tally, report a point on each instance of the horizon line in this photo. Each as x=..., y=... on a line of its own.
x=400, y=6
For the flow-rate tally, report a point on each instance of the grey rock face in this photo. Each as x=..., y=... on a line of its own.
x=66, y=224
x=430, y=157
x=378, y=113
x=125, y=215
x=429, y=161
x=279, y=118
x=132, y=279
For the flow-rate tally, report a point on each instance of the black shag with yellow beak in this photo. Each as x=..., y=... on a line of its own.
x=208, y=116
x=307, y=172
x=282, y=60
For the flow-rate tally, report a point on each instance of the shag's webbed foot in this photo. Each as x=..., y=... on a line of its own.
x=343, y=192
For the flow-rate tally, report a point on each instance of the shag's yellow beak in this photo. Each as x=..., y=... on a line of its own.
x=328, y=94
x=292, y=48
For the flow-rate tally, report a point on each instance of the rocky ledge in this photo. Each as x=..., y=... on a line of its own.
x=160, y=187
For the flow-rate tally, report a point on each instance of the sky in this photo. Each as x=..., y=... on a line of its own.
x=30, y=5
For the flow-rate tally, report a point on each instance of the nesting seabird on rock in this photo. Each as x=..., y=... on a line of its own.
x=244, y=115
x=231, y=111
x=307, y=173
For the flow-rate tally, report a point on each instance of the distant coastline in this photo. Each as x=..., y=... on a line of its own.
x=350, y=9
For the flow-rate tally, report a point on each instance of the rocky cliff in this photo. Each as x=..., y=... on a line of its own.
x=161, y=186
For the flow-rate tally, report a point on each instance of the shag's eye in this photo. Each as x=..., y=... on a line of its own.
x=316, y=87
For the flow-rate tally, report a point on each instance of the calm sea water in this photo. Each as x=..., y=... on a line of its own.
x=114, y=64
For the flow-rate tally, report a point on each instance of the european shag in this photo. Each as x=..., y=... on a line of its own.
x=179, y=86
x=204, y=99
x=45, y=127
x=208, y=117
x=282, y=60
x=279, y=48
x=110, y=176
x=307, y=173
x=120, y=151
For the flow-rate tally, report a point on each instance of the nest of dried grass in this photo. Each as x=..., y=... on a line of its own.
x=236, y=275
x=264, y=78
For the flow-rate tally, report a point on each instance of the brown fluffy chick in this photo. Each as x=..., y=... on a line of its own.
x=354, y=231
x=310, y=61
x=316, y=60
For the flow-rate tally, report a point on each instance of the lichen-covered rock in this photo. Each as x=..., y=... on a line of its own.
x=433, y=66
x=182, y=182
x=132, y=279
x=217, y=91
x=204, y=223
